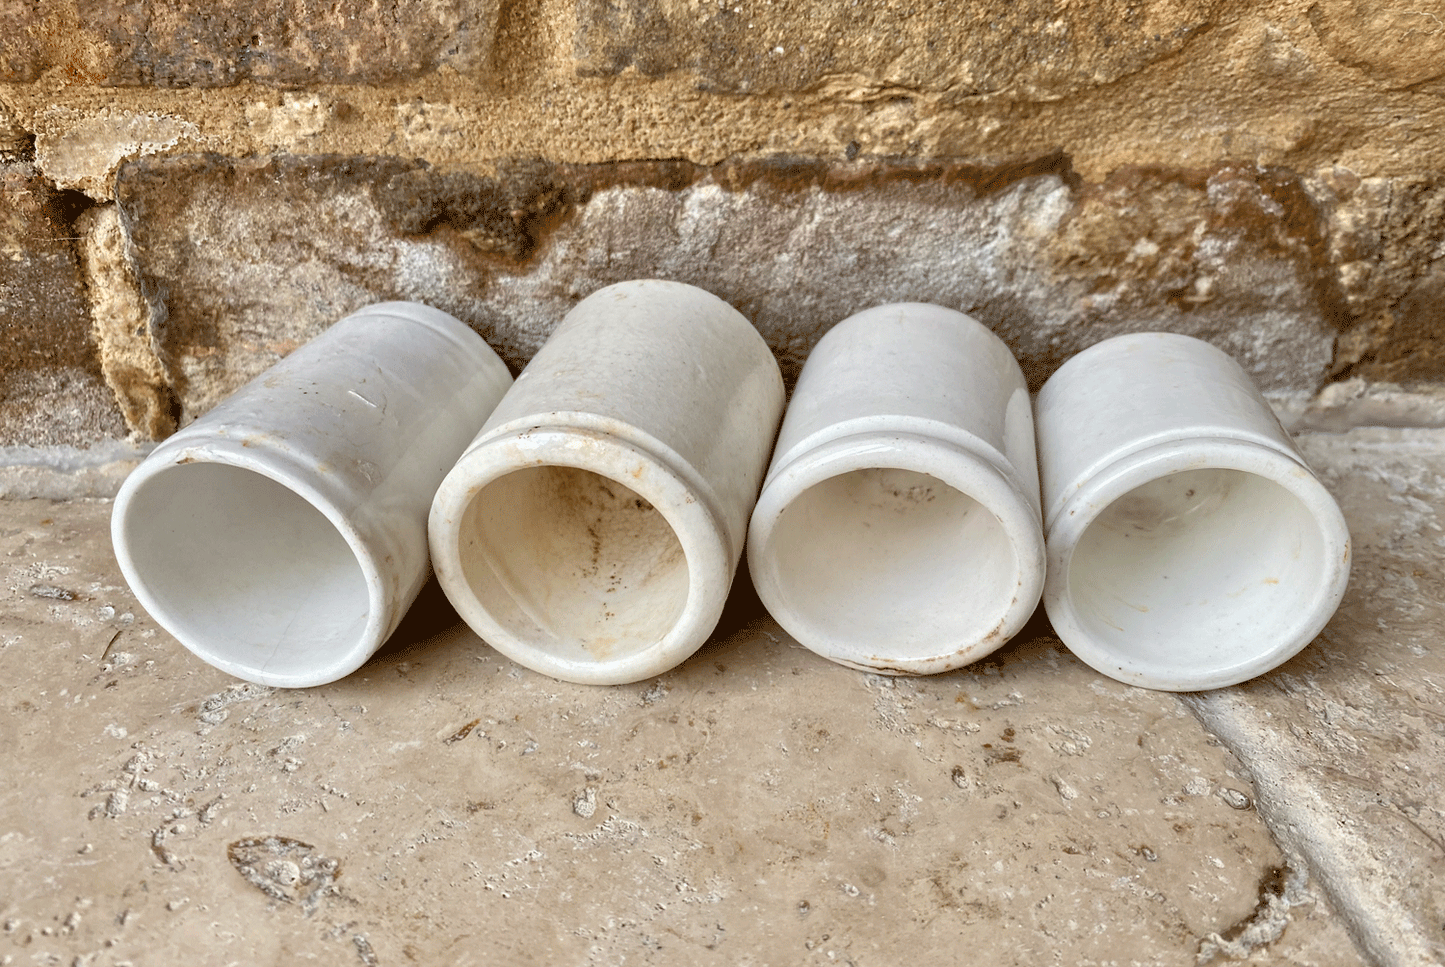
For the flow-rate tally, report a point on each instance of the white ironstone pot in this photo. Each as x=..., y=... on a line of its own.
x=592, y=529
x=898, y=530
x=282, y=536
x=1190, y=546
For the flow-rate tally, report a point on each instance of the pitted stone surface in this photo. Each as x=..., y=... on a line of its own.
x=51, y=392
x=255, y=257
x=21, y=56
x=755, y=805
x=14, y=140
x=126, y=319
x=217, y=43
x=1397, y=46
x=83, y=152
x=1345, y=741
x=1143, y=106
x=1034, y=49
x=1386, y=241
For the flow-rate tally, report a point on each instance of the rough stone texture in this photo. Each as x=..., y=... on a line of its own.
x=1256, y=85
x=1028, y=50
x=42, y=293
x=14, y=140
x=217, y=43
x=1345, y=742
x=295, y=119
x=1387, y=241
x=50, y=387
x=84, y=151
x=21, y=57
x=61, y=472
x=255, y=257
x=57, y=407
x=1356, y=402
x=1152, y=114
x=756, y=805
x=126, y=320
x=1396, y=46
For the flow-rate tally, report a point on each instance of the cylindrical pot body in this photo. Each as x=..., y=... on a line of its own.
x=282, y=536
x=592, y=529
x=1190, y=546
x=898, y=530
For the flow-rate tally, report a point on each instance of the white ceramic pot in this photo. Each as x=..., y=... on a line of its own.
x=592, y=530
x=898, y=530
x=282, y=536
x=1190, y=546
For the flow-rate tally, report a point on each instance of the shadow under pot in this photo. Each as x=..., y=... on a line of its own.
x=592, y=530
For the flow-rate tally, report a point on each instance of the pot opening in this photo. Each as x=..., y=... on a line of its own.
x=891, y=564
x=245, y=571
x=1199, y=569
x=573, y=563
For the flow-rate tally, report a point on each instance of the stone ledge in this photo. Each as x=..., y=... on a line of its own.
x=63, y=472
x=67, y=473
x=756, y=804
x=1345, y=741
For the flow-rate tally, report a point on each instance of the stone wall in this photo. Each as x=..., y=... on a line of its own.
x=193, y=188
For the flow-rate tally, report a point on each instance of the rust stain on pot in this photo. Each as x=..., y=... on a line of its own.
x=600, y=647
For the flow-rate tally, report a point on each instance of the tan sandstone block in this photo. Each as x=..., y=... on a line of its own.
x=1395, y=45
x=1387, y=239
x=126, y=322
x=1032, y=49
x=21, y=53
x=50, y=386
x=14, y=139
x=256, y=256
x=206, y=43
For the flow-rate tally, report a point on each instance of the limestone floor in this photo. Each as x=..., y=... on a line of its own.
x=757, y=805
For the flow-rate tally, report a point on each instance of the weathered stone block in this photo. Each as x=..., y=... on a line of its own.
x=83, y=152
x=126, y=319
x=21, y=51
x=1050, y=265
x=256, y=256
x=216, y=43
x=50, y=386
x=1387, y=245
x=1029, y=49
x=1397, y=46
x=14, y=140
